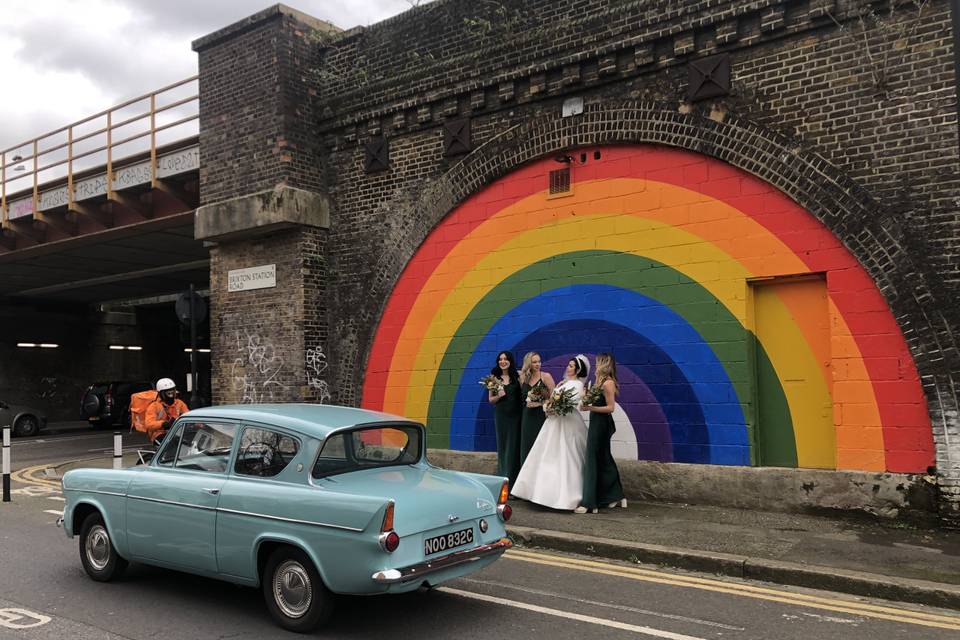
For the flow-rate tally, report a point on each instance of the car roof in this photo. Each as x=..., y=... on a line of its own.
x=315, y=420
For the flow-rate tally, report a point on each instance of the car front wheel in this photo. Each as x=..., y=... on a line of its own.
x=99, y=558
x=294, y=592
x=27, y=426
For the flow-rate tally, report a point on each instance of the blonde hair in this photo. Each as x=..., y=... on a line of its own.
x=526, y=371
x=607, y=370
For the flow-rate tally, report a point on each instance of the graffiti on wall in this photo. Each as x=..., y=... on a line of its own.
x=255, y=372
x=662, y=257
x=316, y=368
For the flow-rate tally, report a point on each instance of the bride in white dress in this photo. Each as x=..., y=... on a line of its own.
x=552, y=474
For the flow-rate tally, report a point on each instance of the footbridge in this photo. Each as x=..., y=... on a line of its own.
x=102, y=210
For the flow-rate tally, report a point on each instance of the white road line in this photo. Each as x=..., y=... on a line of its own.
x=56, y=513
x=57, y=498
x=649, y=631
x=607, y=605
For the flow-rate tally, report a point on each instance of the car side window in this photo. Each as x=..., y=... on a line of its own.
x=169, y=451
x=264, y=453
x=205, y=446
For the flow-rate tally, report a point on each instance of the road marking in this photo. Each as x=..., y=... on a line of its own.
x=35, y=490
x=9, y=618
x=57, y=498
x=745, y=590
x=29, y=476
x=56, y=513
x=593, y=603
x=649, y=631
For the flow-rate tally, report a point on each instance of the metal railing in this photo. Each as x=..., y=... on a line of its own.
x=136, y=126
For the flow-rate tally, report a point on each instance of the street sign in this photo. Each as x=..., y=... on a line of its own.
x=183, y=308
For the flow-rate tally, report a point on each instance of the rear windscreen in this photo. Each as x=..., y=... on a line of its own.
x=368, y=448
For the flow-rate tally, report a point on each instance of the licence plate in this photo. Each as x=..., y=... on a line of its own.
x=450, y=540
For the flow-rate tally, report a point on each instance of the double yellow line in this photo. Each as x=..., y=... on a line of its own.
x=35, y=476
x=863, y=609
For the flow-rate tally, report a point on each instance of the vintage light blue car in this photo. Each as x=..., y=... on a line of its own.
x=302, y=500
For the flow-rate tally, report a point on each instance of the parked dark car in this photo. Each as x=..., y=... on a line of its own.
x=107, y=404
x=26, y=421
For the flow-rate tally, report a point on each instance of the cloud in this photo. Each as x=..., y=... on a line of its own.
x=62, y=60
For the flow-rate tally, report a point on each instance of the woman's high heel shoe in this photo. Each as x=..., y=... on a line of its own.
x=582, y=509
x=621, y=503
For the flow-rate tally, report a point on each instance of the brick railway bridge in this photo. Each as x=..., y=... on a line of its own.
x=747, y=204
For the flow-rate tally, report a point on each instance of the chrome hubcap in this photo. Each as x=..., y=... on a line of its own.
x=98, y=547
x=292, y=589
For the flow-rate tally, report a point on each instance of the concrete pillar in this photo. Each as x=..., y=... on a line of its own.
x=264, y=208
x=268, y=324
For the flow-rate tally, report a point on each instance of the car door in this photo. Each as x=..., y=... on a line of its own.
x=172, y=504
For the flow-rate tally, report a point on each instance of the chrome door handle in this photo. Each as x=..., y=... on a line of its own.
x=213, y=492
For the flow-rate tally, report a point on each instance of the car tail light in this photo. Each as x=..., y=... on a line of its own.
x=389, y=539
x=387, y=518
x=505, y=511
x=504, y=493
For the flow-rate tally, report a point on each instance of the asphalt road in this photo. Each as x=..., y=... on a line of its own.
x=528, y=594
x=67, y=441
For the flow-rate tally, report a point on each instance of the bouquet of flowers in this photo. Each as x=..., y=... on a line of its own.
x=537, y=393
x=561, y=402
x=492, y=383
x=593, y=395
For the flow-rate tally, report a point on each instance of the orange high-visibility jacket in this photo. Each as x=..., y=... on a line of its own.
x=159, y=412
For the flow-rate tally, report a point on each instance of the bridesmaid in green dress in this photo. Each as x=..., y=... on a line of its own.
x=508, y=408
x=532, y=377
x=601, y=478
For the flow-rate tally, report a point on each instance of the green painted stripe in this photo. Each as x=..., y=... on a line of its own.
x=776, y=444
x=727, y=337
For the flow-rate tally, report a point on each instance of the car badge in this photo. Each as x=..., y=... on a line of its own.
x=483, y=505
x=453, y=518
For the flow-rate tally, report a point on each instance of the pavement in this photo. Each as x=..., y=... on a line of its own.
x=861, y=556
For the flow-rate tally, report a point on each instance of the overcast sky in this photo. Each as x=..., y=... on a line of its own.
x=62, y=60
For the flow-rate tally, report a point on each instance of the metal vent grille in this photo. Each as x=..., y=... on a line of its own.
x=560, y=181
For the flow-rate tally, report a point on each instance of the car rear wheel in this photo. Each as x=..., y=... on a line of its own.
x=294, y=592
x=26, y=426
x=99, y=558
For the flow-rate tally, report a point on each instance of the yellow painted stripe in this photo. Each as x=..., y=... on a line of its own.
x=28, y=476
x=746, y=590
x=724, y=277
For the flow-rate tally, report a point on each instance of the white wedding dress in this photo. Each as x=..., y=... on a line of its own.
x=552, y=474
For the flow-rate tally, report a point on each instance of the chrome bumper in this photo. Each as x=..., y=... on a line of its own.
x=416, y=571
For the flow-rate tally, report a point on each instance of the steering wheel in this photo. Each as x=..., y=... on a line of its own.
x=259, y=456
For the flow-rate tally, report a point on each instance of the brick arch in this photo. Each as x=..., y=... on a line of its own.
x=870, y=232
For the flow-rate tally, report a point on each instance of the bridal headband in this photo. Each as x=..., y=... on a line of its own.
x=584, y=364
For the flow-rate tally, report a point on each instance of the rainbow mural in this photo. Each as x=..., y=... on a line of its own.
x=745, y=333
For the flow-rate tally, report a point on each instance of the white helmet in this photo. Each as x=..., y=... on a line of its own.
x=164, y=384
